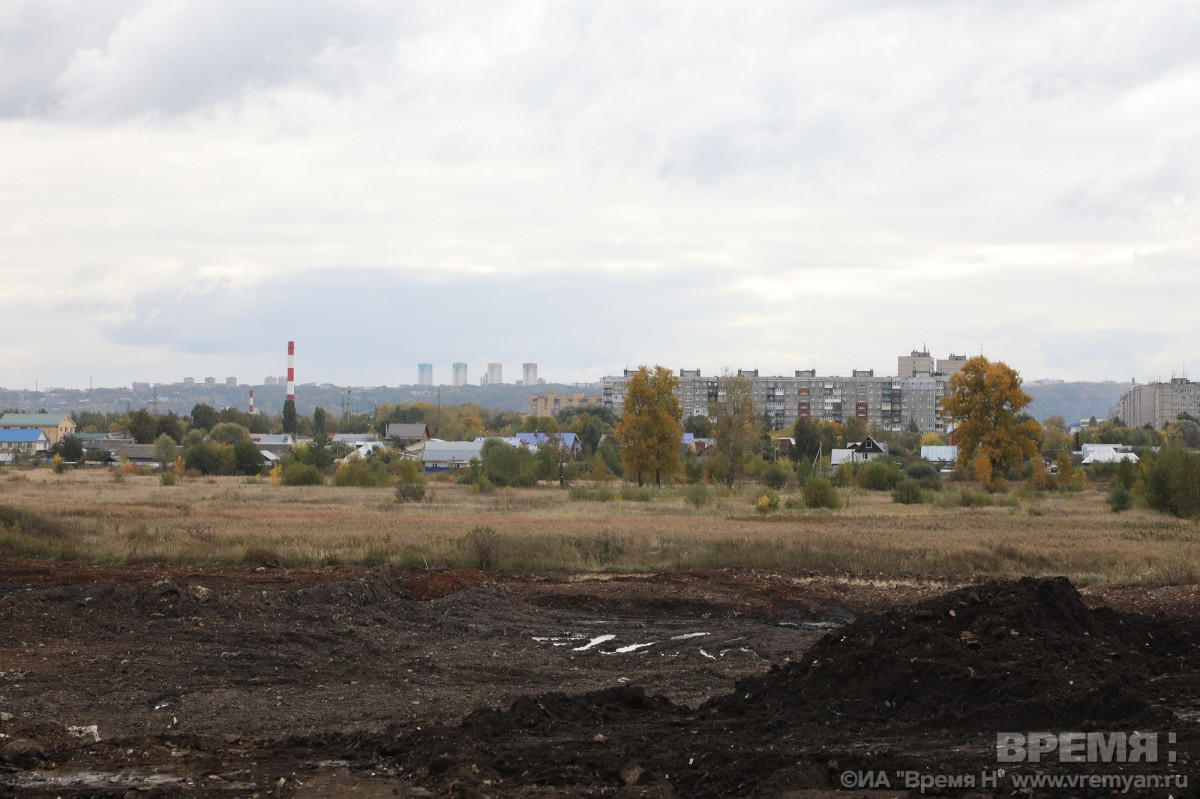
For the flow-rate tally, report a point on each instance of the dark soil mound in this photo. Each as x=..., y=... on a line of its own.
x=1003, y=655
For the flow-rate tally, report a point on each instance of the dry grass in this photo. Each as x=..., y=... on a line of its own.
x=88, y=516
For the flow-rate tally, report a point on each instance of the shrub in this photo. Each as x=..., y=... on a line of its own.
x=820, y=493
x=167, y=478
x=482, y=545
x=907, y=492
x=505, y=465
x=878, y=476
x=776, y=475
x=58, y=464
x=767, y=503
x=410, y=482
x=301, y=474
x=843, y=475
x=635, y=494
x=925, y=474
x=1120, y=497
x=361, y=473
x=1172, y=483
x=974, y=498
x=697, y=495
x=601, y=494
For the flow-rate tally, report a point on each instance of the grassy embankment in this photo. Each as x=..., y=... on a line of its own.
x=88, y=516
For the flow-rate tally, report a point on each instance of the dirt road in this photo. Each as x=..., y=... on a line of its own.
x=153, y=681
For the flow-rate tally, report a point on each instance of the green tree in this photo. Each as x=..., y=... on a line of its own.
x=164, y=450
x=649, y=430
x=204, y=416
x=698, y=425
x=318, y=450
x=807, y=440
x=172, y=425
x=506, y=465
x=589, y=427
x=984, y=400
x=289, y=417
x=143, y=426
x=69, y=448
x=247, y=457
x=228, y=433
x=735, y=427
x=854, y=431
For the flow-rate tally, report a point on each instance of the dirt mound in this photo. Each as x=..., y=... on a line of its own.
x=1018, y=655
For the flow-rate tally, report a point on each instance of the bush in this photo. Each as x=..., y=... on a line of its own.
x=167, y=478
x=843, y=475
x=410, y=482
x=925, y=474
x=974, y=498
x=1172, y=483
x=482, y=545
x=361, y=473
x=1120, y=497
x=767, y=503
x=878, y=476
x=776, y=475
x=820, y=493
x=301, y=474
x=697, y=495
x=505, y=465
x=601, y=494
x=635, y=494
x=907, y=492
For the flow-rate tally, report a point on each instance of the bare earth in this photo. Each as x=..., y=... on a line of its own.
x=155, y=681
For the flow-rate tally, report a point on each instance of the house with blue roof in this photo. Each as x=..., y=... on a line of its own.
x=57, y=426
x=25, y=442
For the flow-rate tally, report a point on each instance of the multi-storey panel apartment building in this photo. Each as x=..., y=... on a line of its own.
x=883, y=402
x=1158, y=404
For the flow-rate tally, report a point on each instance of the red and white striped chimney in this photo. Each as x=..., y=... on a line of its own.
x=291, y=386
x=251, y=403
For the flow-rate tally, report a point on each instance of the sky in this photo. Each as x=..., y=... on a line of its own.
x=590, y=186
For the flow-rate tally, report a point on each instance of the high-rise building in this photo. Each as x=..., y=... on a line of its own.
x=495, y=374
x=210, y=381
x=460, y=374
x=918, y=364
x=529, y=374
x=424, y=374
x=231, y=381
x=1158, y=404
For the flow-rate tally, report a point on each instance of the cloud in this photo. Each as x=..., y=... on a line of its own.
x=688, y=184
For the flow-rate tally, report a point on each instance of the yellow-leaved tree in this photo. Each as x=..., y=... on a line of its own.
x=649, y=431
x=984, y=402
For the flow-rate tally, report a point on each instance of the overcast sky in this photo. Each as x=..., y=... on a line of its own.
x=185, y=186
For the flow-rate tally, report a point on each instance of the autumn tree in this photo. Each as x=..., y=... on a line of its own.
x=649, y=430
x=735, y=427
x=984, y=400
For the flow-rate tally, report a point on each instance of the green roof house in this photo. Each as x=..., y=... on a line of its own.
x=56, y=425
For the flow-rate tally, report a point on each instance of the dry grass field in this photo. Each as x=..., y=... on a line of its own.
x=92, y=516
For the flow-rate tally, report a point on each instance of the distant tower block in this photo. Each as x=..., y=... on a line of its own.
x=424, y=374
x=529, y=374
x=251, y=403
x=291, y=375
x=495, y=374
x=460, y=374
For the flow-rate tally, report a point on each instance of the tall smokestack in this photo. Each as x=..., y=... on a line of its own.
x=251, y=403
x=291, y=381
